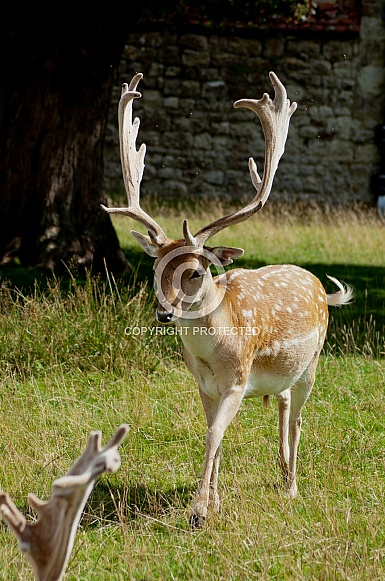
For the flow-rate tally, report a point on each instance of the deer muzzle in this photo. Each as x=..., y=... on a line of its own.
x=164, y=316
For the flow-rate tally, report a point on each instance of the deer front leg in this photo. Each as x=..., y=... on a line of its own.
x=210, y=407
x=225, y=413
x=213, y=493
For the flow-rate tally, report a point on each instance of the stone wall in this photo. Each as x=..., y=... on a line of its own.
x=198, y=145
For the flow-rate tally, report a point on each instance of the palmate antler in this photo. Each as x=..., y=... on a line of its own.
x=274, y=116
x=48, y=542
x=133, y=163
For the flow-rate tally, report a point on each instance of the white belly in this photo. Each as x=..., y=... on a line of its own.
x=267, y=384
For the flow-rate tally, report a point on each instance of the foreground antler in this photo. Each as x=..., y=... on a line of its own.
x=48, y=542
x=133, y=163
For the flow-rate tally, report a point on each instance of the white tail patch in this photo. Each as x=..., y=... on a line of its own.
x=342, y=297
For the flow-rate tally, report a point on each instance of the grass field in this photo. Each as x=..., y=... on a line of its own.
x=68, y=366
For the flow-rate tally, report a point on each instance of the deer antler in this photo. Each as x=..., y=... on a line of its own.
x=48, y=542
x=133, y=163
x=274, y=117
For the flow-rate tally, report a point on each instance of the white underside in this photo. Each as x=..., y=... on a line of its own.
x=267, y=384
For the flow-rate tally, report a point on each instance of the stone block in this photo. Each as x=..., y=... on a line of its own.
x=303, y=48
x=220, y=129
x=295, y=92
x=152, y=138
x=209, y=74
x=214, y=177
x=214, y=90
x=170, y=55
x=203, y=141
x=338, y=51
x=199, y=123
x=237, y=46
x=320, y=113
x=173, y=161
x=340, y=150
x=307, y=132
x=172, y=71
x=372, y=28
x=362, y=134
x=171, y=102
x=181, y=123
x=153, y=98
x=345, y=70
x=172, y=87
x=371, y=80
x=191, y=89
x=175, y=189
x=195, y=42
x=224, y=59
x=131, y=52
x=368, y=154
x=156, y=70
x=168, y=172
x=193, y=58
x=311, y=184
x=220, y=144
x=187, y=106
x=342, y=126
x=274, y=47
x=320, y=67
x=177, y=140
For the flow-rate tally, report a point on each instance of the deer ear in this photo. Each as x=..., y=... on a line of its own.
x=146, y=243
x=226, y=254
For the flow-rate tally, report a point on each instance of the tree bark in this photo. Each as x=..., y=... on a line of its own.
x=56, y=81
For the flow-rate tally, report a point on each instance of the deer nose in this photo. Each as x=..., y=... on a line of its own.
x=164, y=316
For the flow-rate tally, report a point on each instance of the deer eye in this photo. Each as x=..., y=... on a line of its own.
x=197, y=274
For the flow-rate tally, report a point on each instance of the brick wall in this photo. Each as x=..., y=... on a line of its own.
x=198, y=145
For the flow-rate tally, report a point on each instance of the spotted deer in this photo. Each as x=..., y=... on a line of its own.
x=245, y=333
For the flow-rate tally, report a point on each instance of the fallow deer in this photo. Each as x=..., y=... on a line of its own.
x=245, y=332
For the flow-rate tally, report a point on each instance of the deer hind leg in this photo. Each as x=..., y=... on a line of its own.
x=299, y=394
x=219, y=416
x=283, y=400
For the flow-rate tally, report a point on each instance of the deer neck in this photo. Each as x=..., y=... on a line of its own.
x=201, y=335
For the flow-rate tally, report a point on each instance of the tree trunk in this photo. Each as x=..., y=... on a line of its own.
x=57, y=79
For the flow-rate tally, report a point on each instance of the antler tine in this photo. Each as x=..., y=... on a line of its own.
x=49, y=540
x=133, y=163
x=274, y=117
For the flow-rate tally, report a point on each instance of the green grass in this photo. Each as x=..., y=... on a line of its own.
x=68, y=367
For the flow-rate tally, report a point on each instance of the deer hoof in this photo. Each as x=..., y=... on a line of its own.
x=196, y=521
x=291, y=492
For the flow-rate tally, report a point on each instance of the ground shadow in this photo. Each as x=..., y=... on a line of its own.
x=114, y=502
